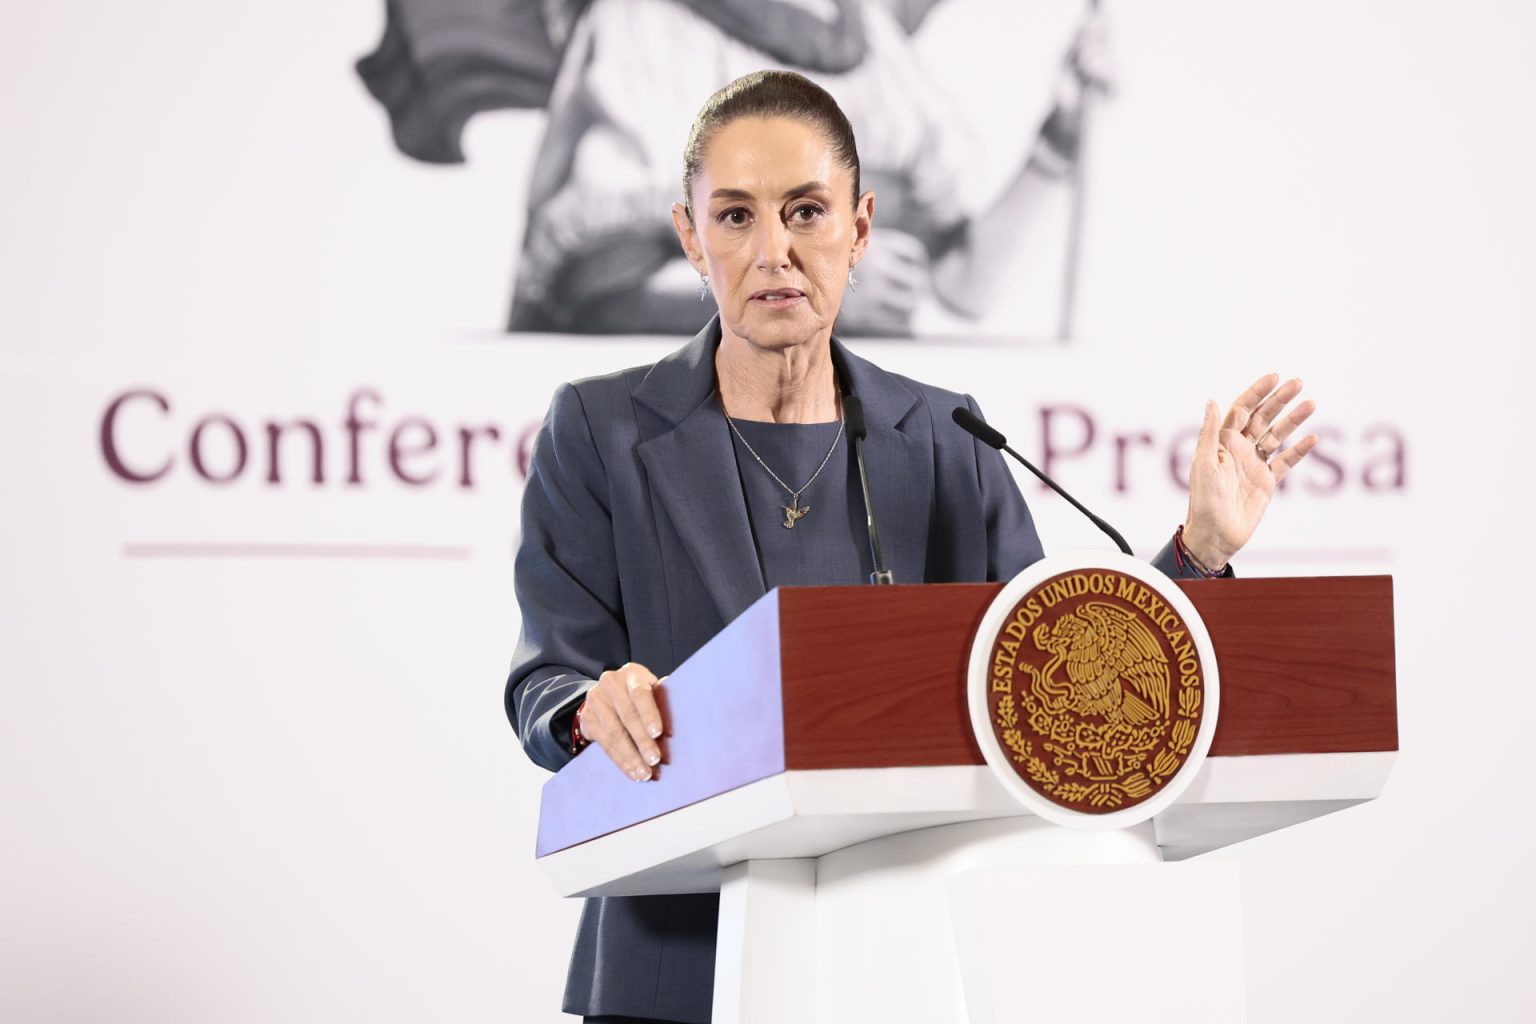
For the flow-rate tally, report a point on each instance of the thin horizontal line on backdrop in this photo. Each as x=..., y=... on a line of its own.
x=1315, y=555
x=228, y=549
x=1256, y=554
x=946, y=340
x=443, y=552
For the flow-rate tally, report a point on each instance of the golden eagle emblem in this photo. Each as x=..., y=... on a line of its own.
x=1095, y=690
x=1115, y=667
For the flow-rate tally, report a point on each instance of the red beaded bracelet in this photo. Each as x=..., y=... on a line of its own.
x=1181, y=553
x=578, y=741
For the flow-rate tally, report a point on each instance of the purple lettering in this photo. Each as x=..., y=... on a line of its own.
x=1123, y=443
x=524, y=450
x=467, y=436
x=355, y=426
x=1393, y=462
x=1181, y=453
x=1319, y=460
x=197, y=448
x=109, y=449
x=274, y=434
x=399, y=450
x=1052, y=445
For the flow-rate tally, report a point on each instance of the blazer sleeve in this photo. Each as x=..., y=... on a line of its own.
x=567, y=584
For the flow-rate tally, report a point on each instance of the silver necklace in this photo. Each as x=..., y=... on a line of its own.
x=794, y=511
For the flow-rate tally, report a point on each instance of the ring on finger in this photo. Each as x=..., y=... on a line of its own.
x=1265, y=453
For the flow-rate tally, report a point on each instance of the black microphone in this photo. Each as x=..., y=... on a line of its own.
x=978, y=428
x=853, y=421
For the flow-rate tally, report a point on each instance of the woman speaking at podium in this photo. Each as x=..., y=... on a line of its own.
x=665, y=499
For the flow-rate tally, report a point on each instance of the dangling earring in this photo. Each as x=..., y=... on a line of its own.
x=703, y=287
x=853, y=282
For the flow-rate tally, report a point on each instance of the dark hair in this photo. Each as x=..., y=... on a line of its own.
x=770, y=94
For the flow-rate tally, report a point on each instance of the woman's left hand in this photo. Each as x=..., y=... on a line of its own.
x=1238, y=464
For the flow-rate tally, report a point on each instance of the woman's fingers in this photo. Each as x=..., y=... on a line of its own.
x=1247, y=403
x=1287, y=424
x=1269, y=409
x=601, y=724
x=1259, y=417
x=627, y=722
x=1286, y=461
x=635, y=724
x=648, y=710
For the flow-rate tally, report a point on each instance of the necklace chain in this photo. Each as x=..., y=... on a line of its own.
x=794, y=495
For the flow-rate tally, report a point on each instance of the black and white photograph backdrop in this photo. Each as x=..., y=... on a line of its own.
x=286, y=291
x=975, y=174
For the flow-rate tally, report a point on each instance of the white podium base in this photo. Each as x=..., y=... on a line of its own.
x=984, y=922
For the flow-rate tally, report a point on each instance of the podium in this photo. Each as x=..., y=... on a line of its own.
x=820, y=771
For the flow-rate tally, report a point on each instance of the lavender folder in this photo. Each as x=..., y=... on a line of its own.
x=728, y=732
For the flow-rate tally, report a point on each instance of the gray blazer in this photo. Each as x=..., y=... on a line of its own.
x=636, y=547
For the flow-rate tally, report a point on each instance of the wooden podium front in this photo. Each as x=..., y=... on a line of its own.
x=812, y=739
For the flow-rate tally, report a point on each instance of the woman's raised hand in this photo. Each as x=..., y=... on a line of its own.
x=620, y=715
x=1236, y=467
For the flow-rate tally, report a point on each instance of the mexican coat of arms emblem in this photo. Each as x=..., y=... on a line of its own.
x=1095, y=684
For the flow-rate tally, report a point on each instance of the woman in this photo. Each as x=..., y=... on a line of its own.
x=663, y=500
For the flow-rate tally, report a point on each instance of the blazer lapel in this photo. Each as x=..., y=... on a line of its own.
x=898, y=456
x=691, y=466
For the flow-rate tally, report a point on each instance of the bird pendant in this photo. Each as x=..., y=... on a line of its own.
x=794, y=512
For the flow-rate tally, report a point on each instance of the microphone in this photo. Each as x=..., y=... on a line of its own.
x=987, y=435
x=853, y=420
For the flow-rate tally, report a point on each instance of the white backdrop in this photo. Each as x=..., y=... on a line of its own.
x=281, y=788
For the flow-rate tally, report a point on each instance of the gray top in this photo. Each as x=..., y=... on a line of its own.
x=830, y=543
